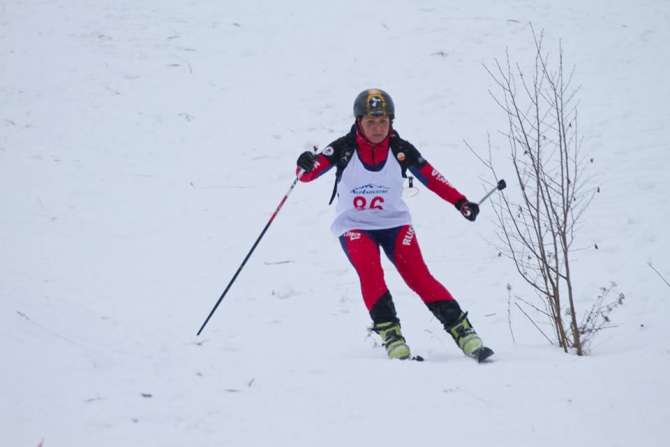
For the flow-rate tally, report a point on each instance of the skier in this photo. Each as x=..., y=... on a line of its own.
x=371, y=162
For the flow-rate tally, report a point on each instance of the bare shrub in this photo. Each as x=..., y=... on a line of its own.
x=538, y=229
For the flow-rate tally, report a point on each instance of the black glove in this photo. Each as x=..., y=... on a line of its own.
x=468, y=209
x=306, y=161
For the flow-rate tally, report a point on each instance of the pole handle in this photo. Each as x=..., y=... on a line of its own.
x=499, y=187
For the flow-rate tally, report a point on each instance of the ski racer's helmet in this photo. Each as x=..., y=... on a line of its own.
x=374, y=102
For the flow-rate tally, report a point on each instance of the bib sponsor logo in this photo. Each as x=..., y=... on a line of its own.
x=370, y=189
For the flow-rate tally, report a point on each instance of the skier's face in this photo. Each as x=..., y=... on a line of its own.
x=375, y=128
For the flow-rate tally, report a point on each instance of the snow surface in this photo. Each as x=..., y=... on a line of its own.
x=144, y=145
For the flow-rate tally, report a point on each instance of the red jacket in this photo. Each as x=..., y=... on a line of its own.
x=374, y=157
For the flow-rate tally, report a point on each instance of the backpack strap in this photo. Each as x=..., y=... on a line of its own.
x=406, y=154
x=345, y=148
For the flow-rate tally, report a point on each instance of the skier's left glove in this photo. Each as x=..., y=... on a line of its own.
x=468, y=209
x=306, y=161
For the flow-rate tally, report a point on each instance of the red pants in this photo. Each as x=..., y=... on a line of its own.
x=402, y=249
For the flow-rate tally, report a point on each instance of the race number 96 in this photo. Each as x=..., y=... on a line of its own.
x=361, y=203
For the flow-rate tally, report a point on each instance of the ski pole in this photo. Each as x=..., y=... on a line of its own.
x=499, y=187
x=295, y=182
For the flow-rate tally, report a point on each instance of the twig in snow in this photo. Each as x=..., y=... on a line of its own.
x=190, y=68
x=509, y=311
x=45, y=328
x=441, y=340
x=458, y=388
x=531, y=320
x=652, y=267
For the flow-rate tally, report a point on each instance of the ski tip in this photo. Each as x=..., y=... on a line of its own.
x=482, y=354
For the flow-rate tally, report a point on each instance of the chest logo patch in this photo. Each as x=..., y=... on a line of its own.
x=328, y=151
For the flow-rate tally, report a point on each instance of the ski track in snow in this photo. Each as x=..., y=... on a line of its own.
x=144, y=145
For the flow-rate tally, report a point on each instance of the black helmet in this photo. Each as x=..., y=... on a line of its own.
x=374, y=102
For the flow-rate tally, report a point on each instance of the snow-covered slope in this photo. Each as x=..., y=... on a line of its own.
x=144, y=145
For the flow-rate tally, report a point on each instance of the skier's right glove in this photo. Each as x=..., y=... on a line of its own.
x=306, y=161
x=468, y=209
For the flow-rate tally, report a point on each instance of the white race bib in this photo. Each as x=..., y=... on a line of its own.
x=370, y=200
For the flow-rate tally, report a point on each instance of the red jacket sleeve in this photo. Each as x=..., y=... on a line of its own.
x=321, y=166
x=437, y=183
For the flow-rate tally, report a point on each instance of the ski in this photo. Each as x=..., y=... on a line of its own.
x=482, y=354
